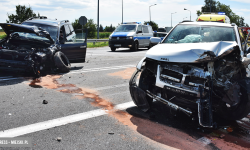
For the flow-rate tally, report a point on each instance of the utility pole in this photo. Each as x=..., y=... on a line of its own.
x=150, y=12
x=189, y=11
x=171, y=18
x=98, y=20
x=122, y=11
x=210, y=6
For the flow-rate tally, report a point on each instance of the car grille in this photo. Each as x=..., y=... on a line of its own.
x=120, y=38
x=184, y=78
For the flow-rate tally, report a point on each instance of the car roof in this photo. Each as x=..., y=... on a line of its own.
x=209, y=24
x=48, y=22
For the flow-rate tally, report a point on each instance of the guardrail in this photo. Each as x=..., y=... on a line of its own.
x=93, y=40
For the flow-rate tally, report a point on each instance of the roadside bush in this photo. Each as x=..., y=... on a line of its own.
x=3, y=36
x=103, y=35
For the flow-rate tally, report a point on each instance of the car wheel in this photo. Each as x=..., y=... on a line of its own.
x=113, y=49
x=62, y=62
x=135, y=46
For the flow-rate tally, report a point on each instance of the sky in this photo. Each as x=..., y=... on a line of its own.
x=110, y=11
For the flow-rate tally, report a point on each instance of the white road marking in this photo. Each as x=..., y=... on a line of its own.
x=110, y=87
x=60, y=121
x=100, y=69
x=204, y=141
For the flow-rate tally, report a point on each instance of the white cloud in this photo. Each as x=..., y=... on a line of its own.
x=242, y=1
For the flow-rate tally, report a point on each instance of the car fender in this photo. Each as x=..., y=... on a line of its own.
x=139, y=65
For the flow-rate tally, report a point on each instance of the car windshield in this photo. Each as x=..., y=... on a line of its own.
x=51, y=29
x=25, y=35
x=126, y=28
x=200, y=34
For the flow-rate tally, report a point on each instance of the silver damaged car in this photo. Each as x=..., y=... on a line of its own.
x=199, y=68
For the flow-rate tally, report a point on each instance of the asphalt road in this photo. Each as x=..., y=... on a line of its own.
x=90, y=108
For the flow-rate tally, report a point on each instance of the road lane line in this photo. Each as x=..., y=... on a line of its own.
x=100, y=69
x=60, y=121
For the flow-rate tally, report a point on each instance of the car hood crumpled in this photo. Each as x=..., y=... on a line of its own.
x=190, y=52
x=11, y=28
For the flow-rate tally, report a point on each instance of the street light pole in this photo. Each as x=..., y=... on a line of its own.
x=122, y=11
x=98, y=20
x=190, y=13
x=150, y=12
x=171, y=18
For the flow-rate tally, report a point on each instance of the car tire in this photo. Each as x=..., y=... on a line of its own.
x=135, y=46
x=62, y=62
x=240, y=110
x=113, y=49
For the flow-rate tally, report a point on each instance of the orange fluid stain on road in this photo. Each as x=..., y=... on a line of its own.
x=168, y=136
x=124, y=74
x=50, y=82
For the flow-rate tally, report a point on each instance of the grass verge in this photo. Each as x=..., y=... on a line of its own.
x=2, y=35
x=97, y=44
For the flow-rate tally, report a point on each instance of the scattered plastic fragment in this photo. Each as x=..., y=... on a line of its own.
x=59, y=139
x=45, y=102
x=111, y=133
x=229, y=129
x=9, y=114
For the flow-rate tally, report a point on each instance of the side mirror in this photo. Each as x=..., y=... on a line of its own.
x=156, y=40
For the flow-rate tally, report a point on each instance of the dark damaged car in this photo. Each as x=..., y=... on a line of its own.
x=38, y=45
x=199, y=68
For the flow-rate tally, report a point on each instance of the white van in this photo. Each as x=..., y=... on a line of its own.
x=131, y=35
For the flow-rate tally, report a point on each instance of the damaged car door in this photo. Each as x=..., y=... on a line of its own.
x=73, y=45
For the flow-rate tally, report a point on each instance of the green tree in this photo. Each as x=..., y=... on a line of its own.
x=247, y=25
x=101, y=28
x=209, y=3
x=22, y=13
x=90, y=25
x=152, y=24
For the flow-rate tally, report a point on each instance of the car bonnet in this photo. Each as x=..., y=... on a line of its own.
x=11, y=28
x=190, y=52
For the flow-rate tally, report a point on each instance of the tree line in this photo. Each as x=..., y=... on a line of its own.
x=23, y=13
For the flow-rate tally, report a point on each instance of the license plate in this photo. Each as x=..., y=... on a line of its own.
x=117, y=45
x=180, y=91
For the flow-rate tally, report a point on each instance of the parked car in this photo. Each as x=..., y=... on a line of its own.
x=39, y=44
x=164, y=29
x=131, y=35
x=200, y=68
x=158, y=37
